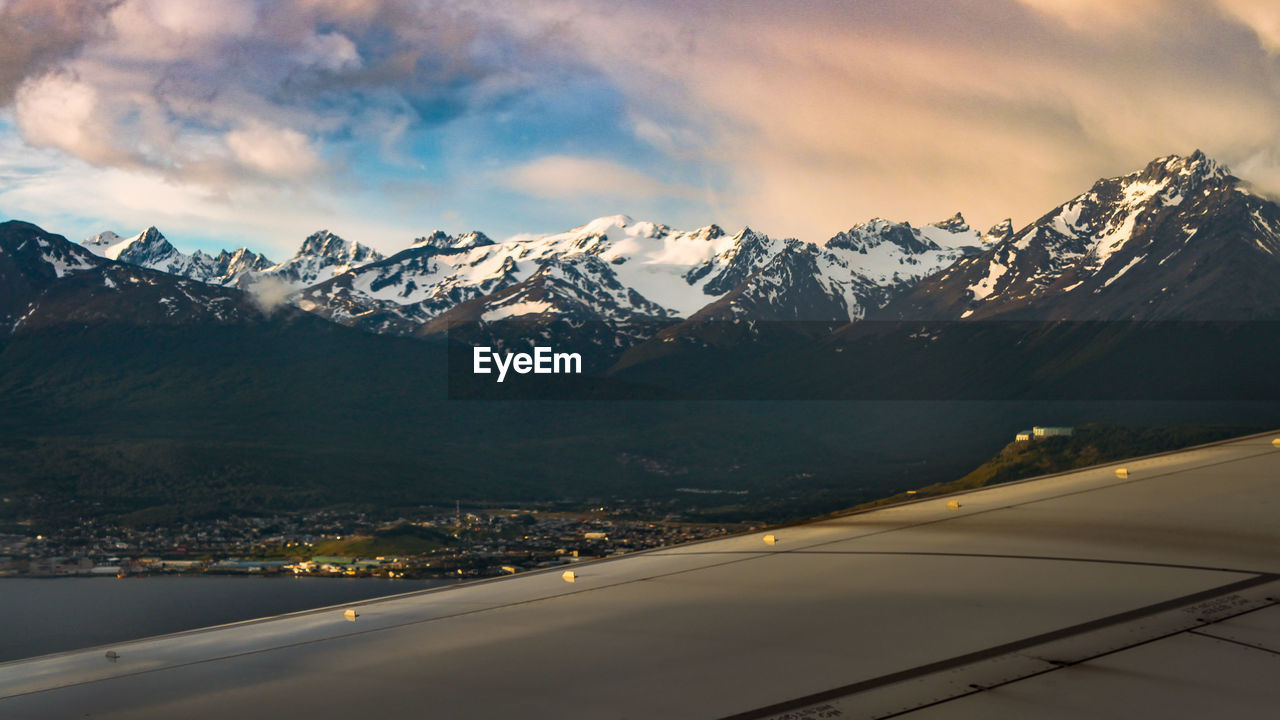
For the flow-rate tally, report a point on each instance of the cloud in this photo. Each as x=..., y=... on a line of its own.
x=826, y=113
x=268, y=293
x=59, y=111
x=1095, y=15
x=559, y=177
x=799, y=118
x=1262, y=16
x=273, y=151
x=73, y=198
x=35, y=35
x=253, y=92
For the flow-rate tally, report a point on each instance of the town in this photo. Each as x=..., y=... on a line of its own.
x=437, y=543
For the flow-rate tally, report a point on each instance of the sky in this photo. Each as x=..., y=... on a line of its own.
x=254, y=122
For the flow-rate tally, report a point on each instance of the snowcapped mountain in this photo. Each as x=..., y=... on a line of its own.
x=322, y=256
x=31, y=261
x=870, y=262
x=399, y=293
x=229, y=267
x=806, y=289
x=854, y=272
x=623, y=272
x=150, y=249
x=45, y=281
x=1180, y=239
x=568, y=302
x=621, y=266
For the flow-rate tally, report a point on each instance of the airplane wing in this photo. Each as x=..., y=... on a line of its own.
x=1152, y=592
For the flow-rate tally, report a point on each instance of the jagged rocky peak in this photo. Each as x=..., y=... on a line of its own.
x=242, y=260
x=152, y=234
x=1164, y=181
x=473, y=239
x=1114, y=208
x=710, y=232
x=109, y=245
x=327, y=245
x=748, y=240
x=956, y=224
x=602, y=225
x=1189, y=171
x=148, y=247
x=999, y=232
x=29, y=256
x=1155, y=243
x=441, y=240
x=99, y=243
x=877, y=231
x=246, y=256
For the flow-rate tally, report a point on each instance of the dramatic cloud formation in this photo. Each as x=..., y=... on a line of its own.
x=37, y=34
x=261, y=121
x=829, y=112
x=562, y=177
x=249, y=90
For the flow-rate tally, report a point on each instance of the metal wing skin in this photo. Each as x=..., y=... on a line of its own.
x=1153, y=592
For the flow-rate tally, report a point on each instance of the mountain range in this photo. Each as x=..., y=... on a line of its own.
x=139, y=376
x=1180, y=239
x=612, y=269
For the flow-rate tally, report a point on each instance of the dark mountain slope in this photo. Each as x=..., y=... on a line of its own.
x=32, y=261
x=1181, y=239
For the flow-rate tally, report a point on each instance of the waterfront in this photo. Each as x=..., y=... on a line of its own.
x=56, y=614
x=428, y=544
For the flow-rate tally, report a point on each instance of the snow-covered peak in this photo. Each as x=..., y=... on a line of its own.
x=324, y=244
x=677, y=271
x=1002, y=230
x=708, y=233
x=322, y=256
x=1187, y=172
x=864, y=237
x=1097, y=224
x=150, y=249
x=99, y=244
x=603, y=225
x=441, y=240
x=146, y=248
x=886, y=255
x=956, y=224
x=1103, y=241
x=230, y=265
x=39, y=255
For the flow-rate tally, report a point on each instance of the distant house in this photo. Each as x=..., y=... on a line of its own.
x=1039, y=432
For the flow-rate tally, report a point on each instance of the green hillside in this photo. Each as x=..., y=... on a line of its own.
x=1091, y=444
